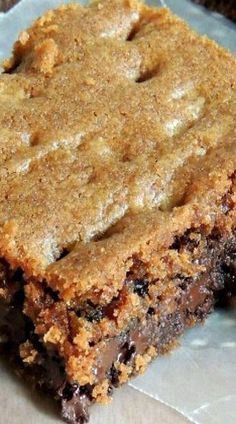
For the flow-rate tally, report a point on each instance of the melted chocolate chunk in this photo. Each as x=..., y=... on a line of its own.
x=95, y=313
x=141, y=287
x=128, y=350
x=69, y=391
x=75, y=410
x=54, y=295
x=113, y=375
x=185, y=242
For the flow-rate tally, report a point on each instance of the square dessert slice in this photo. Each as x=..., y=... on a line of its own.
x=118, y=191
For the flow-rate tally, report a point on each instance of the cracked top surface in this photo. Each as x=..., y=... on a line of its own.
x=117, y=132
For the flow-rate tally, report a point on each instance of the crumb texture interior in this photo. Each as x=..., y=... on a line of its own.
x=117, y=170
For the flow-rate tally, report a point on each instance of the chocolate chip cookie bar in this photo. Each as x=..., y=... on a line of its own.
x=118, y=193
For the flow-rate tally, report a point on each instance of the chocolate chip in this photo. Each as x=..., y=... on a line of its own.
x=75, y=410
x=86, y=390
x=53, y=294
x=114, y=375
x=184, y=281
x=17, y=275
x=95, y=313
x=19, y=298
x=69, y=391
x=151, y=311
x=184, y=242
x=130, y=351
x=141, y=287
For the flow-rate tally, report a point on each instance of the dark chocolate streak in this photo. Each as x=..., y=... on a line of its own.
x=196, y=299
